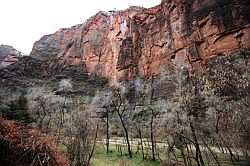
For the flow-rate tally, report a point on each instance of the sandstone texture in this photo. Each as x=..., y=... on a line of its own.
x=8, y=55
x=121, y=45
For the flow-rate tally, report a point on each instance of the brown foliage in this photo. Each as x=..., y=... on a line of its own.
x=22, y=146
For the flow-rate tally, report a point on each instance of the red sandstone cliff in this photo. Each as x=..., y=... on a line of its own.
x=138, y=41
x=8, y=55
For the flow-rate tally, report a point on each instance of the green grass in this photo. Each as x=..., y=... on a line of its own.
x=101, y=158
x=226, y=161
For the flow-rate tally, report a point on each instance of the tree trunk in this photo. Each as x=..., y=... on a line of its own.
x=93, y=146
x=213, y=154
x=232, y=157
x=140, y=135
x=152, y=136
x=126, y=134
x=107, y=132
x=197, y=147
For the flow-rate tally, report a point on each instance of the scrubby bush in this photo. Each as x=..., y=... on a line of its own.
x=17, y=110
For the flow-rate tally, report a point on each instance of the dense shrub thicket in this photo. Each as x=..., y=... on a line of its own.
x=24, y=146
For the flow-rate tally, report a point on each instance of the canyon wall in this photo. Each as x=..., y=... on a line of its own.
x=123, y=44
x=8, y=55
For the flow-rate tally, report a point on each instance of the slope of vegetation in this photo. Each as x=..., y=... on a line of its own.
x=183, y=116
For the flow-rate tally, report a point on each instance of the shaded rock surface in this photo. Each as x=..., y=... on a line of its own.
x=32, y=71
x=121, y=45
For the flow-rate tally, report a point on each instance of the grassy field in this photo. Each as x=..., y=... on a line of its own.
x=114, y=158
x=101, y=158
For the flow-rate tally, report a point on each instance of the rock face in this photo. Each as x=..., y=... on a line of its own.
x=123, y=44
x=8, y=55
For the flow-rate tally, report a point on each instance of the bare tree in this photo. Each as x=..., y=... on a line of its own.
x=101, y=105
x=81, y=135
x=114, y=99
x=147, y=108
x=68, y=120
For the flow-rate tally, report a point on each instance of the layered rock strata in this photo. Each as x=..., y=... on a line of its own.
x=8, y=55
